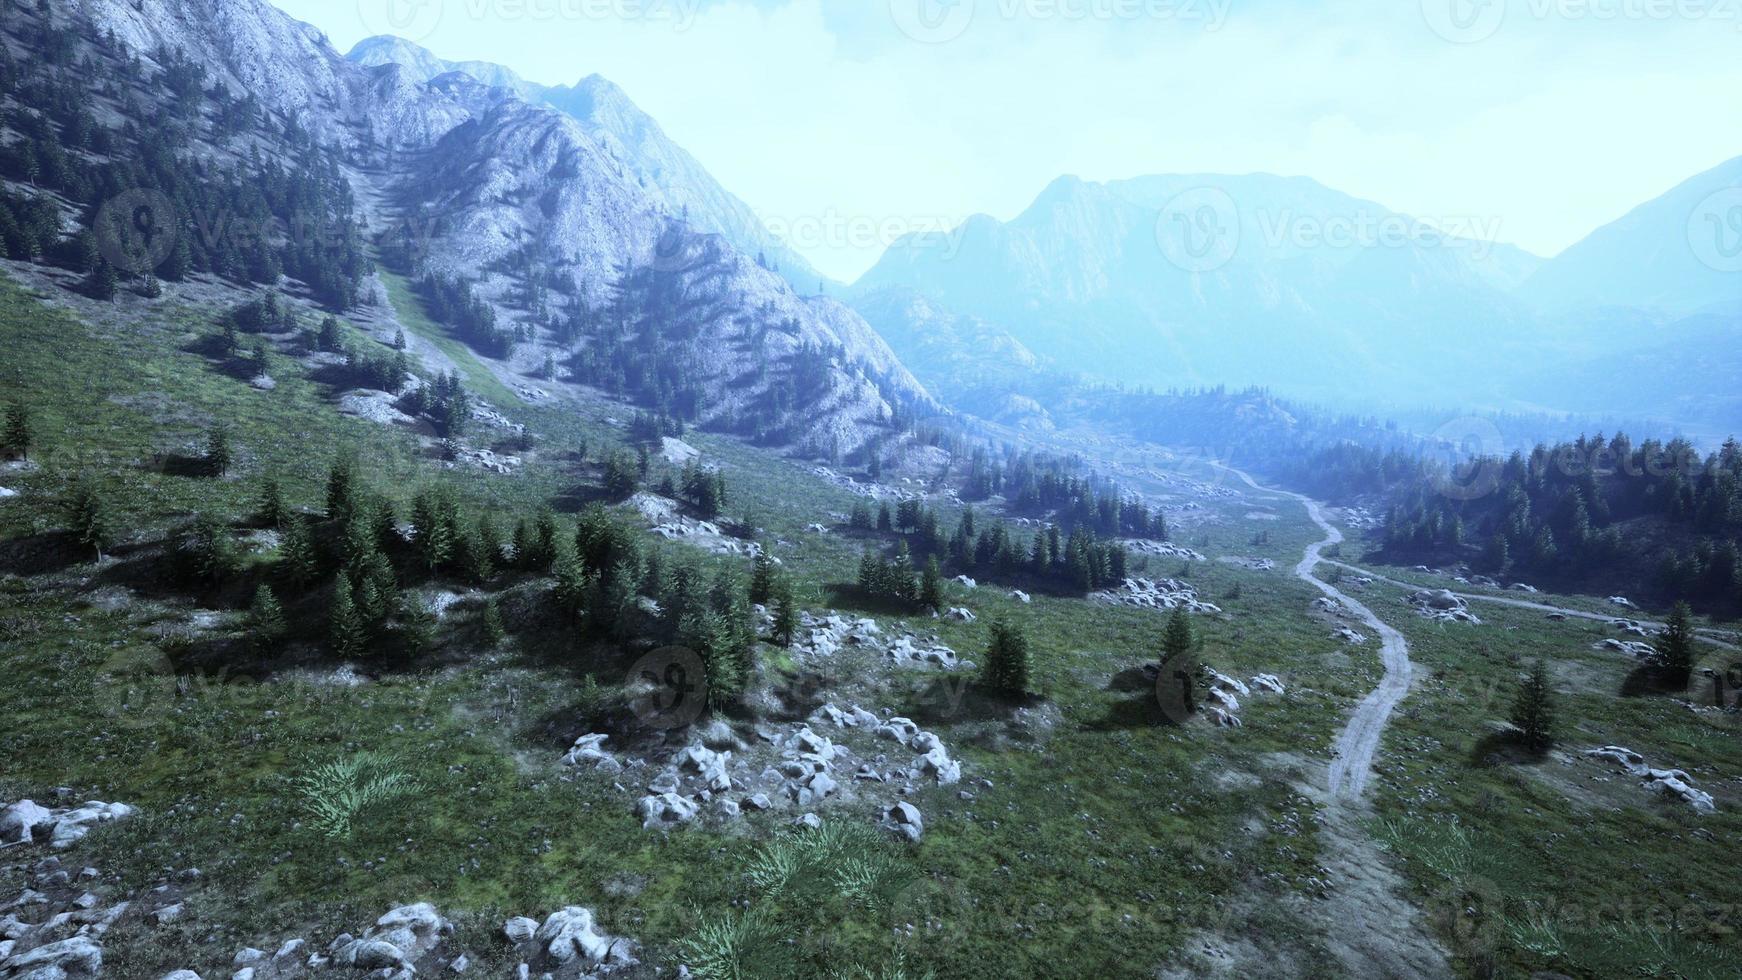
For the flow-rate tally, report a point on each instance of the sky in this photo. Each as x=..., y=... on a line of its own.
x=845, y=123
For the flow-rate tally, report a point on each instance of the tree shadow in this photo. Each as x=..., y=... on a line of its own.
x=1502, y=748
x=44, y=553
x=1647, y=680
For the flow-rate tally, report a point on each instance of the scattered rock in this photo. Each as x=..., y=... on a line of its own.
x=1443, y=606
x=1163, y=594
x=570, y=935
x=904, y=818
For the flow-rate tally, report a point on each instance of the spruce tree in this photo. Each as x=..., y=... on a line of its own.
x=87, y=516
x=785, y=614
x=345, y=632
x=1533, y=711
x=762, y=578
x=217, y=458
x=273, y=511
x=296, y=554
x=931, y=587
x=1008, y=663
x=1675, y=647
x=491, y=623
x=342, y=489
x=15, y=437
x=266, y=626
x=1179, y=669
x=102, y=283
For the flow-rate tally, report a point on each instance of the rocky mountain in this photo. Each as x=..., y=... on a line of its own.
x=1208, y=278
x=665, y=170
x=1676, y=255
x=545, y=221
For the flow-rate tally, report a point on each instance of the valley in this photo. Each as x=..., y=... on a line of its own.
x=443, y=532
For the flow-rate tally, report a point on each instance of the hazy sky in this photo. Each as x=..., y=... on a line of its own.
x=850, y=121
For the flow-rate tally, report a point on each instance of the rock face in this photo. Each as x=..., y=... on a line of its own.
x=579, y=193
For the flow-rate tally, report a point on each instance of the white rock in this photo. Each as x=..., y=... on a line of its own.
x=520, y=928
x=1021, y=596
x=570, y=934
x=665, y=810
x=19, y=822
x=76, y=955
x=1269, y=683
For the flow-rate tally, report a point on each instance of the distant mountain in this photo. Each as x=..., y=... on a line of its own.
x=1210, y=279
x=664, y=169
x=1675, y=255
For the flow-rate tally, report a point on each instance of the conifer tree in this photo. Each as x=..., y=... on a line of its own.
x=15, y=437
x=88, y=516
x=1533, y=711
x=266, y=626
x=1008, y=663
x=785, y=614
x=931, y=587
x=762, y=578
x=491, y=623
x=345, y=634
x=296, y=554
x=273, y=511
x=217, y=458
x=342, y=489
x=1674, y=657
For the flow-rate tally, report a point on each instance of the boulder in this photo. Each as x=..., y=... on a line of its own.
x=570, y=935
x=78, y=956
x=520, y=928
x=960, y=615
x=589, y=752
x=24, y=821
x=904, y=818
x=1021, y=596
x=665, y=810
x=1267, y=683
x=72, y=825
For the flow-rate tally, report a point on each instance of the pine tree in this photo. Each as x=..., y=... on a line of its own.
x=1179, y=669
x=296, y=554
x=15, y=436
x=491, y=623
x=102, y=283
x=273, y=512
x=207, y=553
x=1008, y=663
x=931, y=587
x=345, y=634
x=1533, y=711
x=785, y=614
x=762, y=578
x=1675, y=647
x=266, y=626
x=218, y=449
x=87, y=516
x=342, y=489
x=885, y=522
x=1177, y=639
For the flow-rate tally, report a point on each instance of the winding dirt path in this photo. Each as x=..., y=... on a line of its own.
x=1357, y=744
